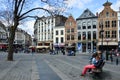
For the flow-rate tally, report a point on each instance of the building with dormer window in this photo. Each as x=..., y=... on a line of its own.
x=107, y=28
x=87, y=31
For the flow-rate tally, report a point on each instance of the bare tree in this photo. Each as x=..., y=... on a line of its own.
x=15, y=11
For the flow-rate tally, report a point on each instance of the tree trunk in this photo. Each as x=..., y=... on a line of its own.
x=11, y=41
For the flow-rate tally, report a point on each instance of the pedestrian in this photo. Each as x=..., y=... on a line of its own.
x=63, y=51
x=93, y=56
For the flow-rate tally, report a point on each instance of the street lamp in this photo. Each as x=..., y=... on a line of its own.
x=107, y=49
x=102, y=31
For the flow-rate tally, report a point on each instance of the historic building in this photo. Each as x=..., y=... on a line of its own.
x=44, y=29
x=70, y=32
x=107, y=28
x=87, y=31
x=22, y=38
x=118, y=13
x=59, y=36
x=3, y=35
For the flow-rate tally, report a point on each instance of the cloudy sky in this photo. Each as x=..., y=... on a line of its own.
x=76, y=9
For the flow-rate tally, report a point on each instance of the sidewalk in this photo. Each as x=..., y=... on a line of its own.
x=22, y=68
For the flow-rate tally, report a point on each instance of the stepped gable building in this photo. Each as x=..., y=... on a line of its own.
x=107, y=28
x=87, y=31
x=70, y=32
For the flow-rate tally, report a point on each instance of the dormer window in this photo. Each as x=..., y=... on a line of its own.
x=113, y=14
x=107, y=14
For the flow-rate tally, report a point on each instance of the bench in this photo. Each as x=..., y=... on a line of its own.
x=99, y=69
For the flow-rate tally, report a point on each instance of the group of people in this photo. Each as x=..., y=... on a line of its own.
x=95, y=62
x=56, y=51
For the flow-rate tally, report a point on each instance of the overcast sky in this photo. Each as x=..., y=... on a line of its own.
x=76, y=9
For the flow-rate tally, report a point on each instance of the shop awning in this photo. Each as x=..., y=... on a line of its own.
x=39, y=47
x=69, y=46
x=109, y=43
x=32, y=46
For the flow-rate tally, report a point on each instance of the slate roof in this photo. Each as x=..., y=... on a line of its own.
x=86, y=14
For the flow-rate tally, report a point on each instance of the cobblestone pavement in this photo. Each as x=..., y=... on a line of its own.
x=19, y=69
x=70, y=67
x=52, y=67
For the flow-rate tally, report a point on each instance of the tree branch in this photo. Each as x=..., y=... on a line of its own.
x=19, y=3
x=33, y=10
x=21, y=7
x=27, y=17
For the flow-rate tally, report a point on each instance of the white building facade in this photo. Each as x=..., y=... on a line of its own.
x=44, y=29
x=59, y=37
x=87, y=31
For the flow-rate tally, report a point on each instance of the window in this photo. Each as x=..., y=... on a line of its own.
x=68, y=30
x=56, y=32
x=107, y=33
x=79, y=27
x=100, y=24
x=62, y=39
x=113, y=14
x=114, y=23
x=84, y=36
x=107, y=24
x=94, y=35
x=89, y=35
x=113, y=34
x=56, y=39
x=68, y=37
x=72, y=30
x=72, y=37
x=94, y=26
x=107, y=14
x=79, y=35
x=89, y=27
x=89, y=45
x=61, y=32
x=84, y=27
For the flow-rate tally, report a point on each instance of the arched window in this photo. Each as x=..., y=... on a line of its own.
x=94, y=35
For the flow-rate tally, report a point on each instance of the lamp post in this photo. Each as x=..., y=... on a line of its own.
x=102, y=31
x=107, y=49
